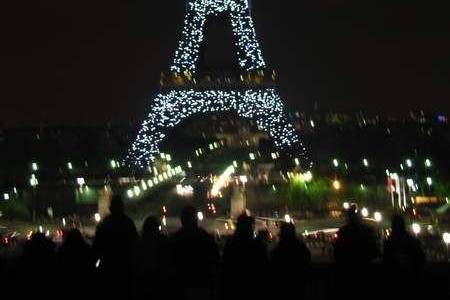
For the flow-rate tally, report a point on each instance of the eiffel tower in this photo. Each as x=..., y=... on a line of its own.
x=186, y=92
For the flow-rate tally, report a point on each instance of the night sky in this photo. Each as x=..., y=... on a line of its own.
x=87, y=62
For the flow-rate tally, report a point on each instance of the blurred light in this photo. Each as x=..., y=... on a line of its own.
x=235, y=164
x=416, y=228
x=81, y=181
x=143, y=185
x=69, y=166
x=312, y=124
x=387, y=172
x=184, y=191
x=113, y=164
x=297, y=162
x=168, y=157
x=446, y=238
x=365, y=212
x=410, y=182
x=394, y=176
x=362, y=187
x=97, y=217
x=41, y=230
x=130, y=193
x=64, y=222
x=221, y=181
x=346, y=205
x=429, y=181
x=33, y=180
x=164, y=221
x=34, y=166
x=243, y=179
x=287, y=218
x=335, y=163
x=365, y=162
x=409, y=163
x=15, y=190
x=200, y=216
x=189, y=164
x=137, y=190
x=6, y=196
x=163, y=155
x=378, y=216
x=164, y=209
x=308, y=176
x=149, y=183
x=97, y=263
x=428, y=163
x=336, y=185
x=252, y=156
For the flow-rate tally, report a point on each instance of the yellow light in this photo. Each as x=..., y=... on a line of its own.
x=337, y=185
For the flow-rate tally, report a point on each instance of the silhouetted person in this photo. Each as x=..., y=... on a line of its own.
x=195, y=258
x=404, y=260
x=152, y=262
x=114, y=241
x=39, y=267
x=354, y=251
x=356, y=244
x=75, y=262
x=245, y=262
x=290, y=261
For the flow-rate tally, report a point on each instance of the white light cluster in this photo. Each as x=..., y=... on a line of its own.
x=249, y=53
x=137, y=190
x=169, y=109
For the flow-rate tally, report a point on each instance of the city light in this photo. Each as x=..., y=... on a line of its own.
x=335, y=163
x=428, y=163
x=287, y=218
x=69, y=166
x=34, y=166
x=378, y=216
x=416, y=228
x=34, y=181
x=365, y=212
x=252, y=156
x=346, y=205
x=336, y=185
x=366, y=162
x=113, y=164
x=429, y=181
x=97, y=217
x=409, y=163
x=81, y=181
x=410, y=182
x=446, y=238
x=6, y=196
x=200, y=216
x=297, y=162
x=136, y=190
x=312, y=123
x=189, y=164
x=221, y=181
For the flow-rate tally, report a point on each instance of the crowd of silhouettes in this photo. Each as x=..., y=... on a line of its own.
x=123, y=264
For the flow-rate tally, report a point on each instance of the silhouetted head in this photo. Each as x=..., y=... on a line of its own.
x=287, y=231
x=245, y=226
x=150, y=227
x=189, y=217
x=398, y=224
x=352, y=214
x=73, y=237
x=116, y=206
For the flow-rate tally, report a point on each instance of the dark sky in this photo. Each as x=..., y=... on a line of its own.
x=93, y=61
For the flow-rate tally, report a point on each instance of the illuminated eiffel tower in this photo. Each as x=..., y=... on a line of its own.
x=252, y=94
